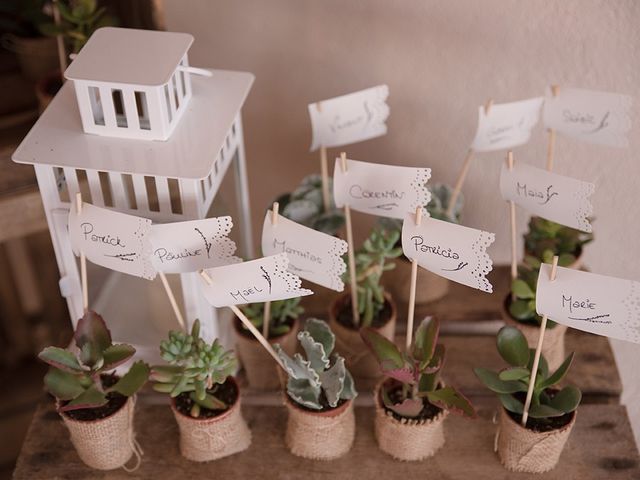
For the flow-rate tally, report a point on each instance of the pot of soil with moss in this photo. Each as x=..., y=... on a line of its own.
x=96, y=406
x=535, y=447
x=319, y=396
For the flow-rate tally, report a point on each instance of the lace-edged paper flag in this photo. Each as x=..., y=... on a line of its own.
x=560, y=199
x=588, y=115
x=313, y=255
x=193, y=245
x=383, y=190
x=112, y=239
x=507, y=125
x=594, y=303
x=449, y=250
x=349, y=118
x=258, y=280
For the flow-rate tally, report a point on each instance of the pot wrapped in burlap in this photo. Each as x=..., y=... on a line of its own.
x=430, y=287
x=205, y=439
x=260, y=369
x=106, y=443
x=320, y=435
x=523, y=450
x=407, y=439
x=358, y=358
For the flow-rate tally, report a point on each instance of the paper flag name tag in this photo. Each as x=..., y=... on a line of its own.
x=383, y=190
x=449, y=250
x=506, y=125
x=596, y=117
x=254, y=281
x=113, y=240
x=594, y=303
x=349, y=118
x=560, y=199
x=313, y=255
x=193, y=245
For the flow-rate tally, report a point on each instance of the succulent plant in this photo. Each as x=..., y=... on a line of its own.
x=522, y=306
x=195, y=367
x=305, y=206
x=281, y=311
x=511, y=384
x=321, y=379
x=417, y=370
x=546, y=239
x=76, y=379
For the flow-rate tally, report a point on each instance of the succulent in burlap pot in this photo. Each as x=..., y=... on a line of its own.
x=319, y=396
x=205, y=399
x=97, y=407
x=412, y=402
x=535, y=447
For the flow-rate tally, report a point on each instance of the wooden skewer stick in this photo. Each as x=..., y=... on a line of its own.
x=83, y=262
x=552, y=136
x=247, y=323
x=512, y=212
x=324, y=170
x=412, y=291
x=172, y=300
x=351, y=253
x=536, y=358
x=266, y=319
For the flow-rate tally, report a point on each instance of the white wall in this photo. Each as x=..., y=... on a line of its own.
x=440, y=59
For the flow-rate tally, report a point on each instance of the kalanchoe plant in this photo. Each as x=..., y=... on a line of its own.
x=546, y=239
x=511, y=384
x=418, y=371
x=305, y=206
x=321, y=380
x=522, y=306
x=281, y=312
x=195, y=367
x=372, y=260
x=76, y=380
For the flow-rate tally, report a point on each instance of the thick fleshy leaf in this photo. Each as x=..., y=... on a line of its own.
x=315, y=352
x=90, y=398
x=404, y=375
x=320, y=332
x=437, y=361
x=408, y=408
x=349, y=389
x=522, y=290
x=428, y=382
x=297, y=367
x=544, y=411
x=115, y=355
x=567, y=399
x=492, y=382
x=521, y=310
x=559, y=374
x=304, y=393
x=385, y=351
x=332, y=381
x=60, y=358
x=133, y=380
x=513, y=347
x=62, y=385
x=425, y=339
x=514, y=373
x=511, y=403
x=449, y=398
x=543, y=366
x=209, y=401
x=165, y=373
x=92, y=337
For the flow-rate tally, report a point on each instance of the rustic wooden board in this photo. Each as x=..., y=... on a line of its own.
x=601, y=446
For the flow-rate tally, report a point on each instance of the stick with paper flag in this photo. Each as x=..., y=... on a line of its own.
x=353, y=283
x=412, y=288
x=512, y=221
x=83, y=261
x=552, y=136
x=267, y=305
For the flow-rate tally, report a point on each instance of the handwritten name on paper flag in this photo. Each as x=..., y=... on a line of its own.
x=507, y=125
x=383, y=190
x=258, y=280
x=313, y=255
x=449, y=250
x=193, y=245
x=113, y=240
x=594, y=303
x=588, y=115
x=560, y=199
x=349, y=118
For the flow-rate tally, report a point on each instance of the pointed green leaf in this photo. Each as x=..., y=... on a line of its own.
x=383, y=349
x=425, y=339
x=448, y=398
x=209, y=401
x=515, y=373
x=90, y=398
x=60, y=358
x=492, y=382
x=62, y=385
x=513, y=347
x=511, y=403
x=567, y=399
x=559, y=374
x=116, y=355
x=521, y=310
x=543, y=366
x=133, y=380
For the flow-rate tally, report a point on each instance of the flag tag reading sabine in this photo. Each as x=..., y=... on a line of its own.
x=560, y=199
x=594, y=303
x=313, y=255
x=449, y=250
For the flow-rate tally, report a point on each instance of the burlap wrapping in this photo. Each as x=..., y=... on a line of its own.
x=206, y=439
x=260, y=369
x=320, y=435
x=408, y=440
x=523, y=450
x=429, y=286
x=107, y=443
x=359, y=360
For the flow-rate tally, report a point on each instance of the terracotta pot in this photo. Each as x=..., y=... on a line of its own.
x=359, y=360
x=430, y=287
x=408, y=440
x=37, y=56
x=106, y=443
x=260, y=369
x=320, y=435
x=205, y=439
x=523, y=450
x=553, y=346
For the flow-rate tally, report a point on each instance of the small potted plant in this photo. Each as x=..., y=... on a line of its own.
x=319, y=396
x=95, y=404
x=412, y=402
x=376, y=307
x=535, y=448
x=205, y=398
x=546, y=239
x=259, y=368
x=519, y=310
